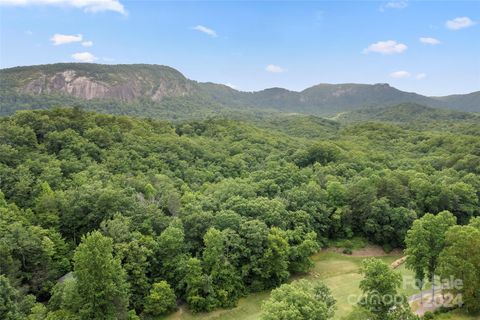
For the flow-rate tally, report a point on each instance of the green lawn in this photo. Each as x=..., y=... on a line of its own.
x=338, y=271
x=248, y=309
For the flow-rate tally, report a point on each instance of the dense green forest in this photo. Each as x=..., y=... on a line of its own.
x=148, y=213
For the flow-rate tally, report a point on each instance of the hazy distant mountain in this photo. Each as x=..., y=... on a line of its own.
x=144, y=87
x=465, y=102
x=406, y=113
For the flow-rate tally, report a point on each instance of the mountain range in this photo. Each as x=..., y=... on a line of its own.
x=143, y=87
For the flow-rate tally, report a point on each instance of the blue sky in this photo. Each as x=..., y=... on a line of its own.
x=430, y=47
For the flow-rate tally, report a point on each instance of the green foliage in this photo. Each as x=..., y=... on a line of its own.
x=299, y=300
x=460, y=260
x=425, y=240
x=348, y=248
x=322, y=152
x=199, y=294
x=410, y=115
x=65, y=296
x=136, y=257
x=100, y=279
x=475, y=222
x=8, y=300
x=379, y=286
x=216, y=208
x=132, y=315
x=171, y=254
x=428, y=316
x=30, y=253
x=38, y=312
x=160, y=300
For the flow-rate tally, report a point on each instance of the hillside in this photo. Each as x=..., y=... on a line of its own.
x=406, y=113
x=469, y=102
x=163, y=92
x=96, y=81
x=146, y=205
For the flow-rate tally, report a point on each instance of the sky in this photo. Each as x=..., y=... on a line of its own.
x=429, y=47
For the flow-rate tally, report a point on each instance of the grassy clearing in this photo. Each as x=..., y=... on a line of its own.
x=338, y=271
x=248, y=309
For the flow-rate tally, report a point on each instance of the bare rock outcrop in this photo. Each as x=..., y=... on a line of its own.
x=124, y=89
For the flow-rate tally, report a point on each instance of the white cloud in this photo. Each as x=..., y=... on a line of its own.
x=59, y=39
x=459, y=23
x=386, y=47
x=87, y=43
x=421, y=76
x=274, y=69
x=428, y=40
x=400, y=74
x=84, y=57
x=28, y=32
x=86, y=5
x=397, y=4
x=206, y=30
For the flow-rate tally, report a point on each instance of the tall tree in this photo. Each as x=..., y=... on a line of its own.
x=276, y=258
x=226, y=281
x=424, y=242
x=100, y=279
x=199, y=290
x=170, y=255
x=460, y=260
x=379, y=285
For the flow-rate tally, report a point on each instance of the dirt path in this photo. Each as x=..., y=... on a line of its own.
x=423, y=294
x=424, y=301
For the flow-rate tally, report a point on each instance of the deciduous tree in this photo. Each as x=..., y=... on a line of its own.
x=100, y=279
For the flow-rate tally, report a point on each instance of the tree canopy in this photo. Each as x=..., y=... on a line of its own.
x=215, y=208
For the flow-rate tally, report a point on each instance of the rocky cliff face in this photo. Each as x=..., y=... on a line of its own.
x=68, y=82
x=124, y=86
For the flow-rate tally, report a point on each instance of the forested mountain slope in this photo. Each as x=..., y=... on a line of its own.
x=205, y=211
x=468, y=102
x=408, y=113
x=156, y=90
